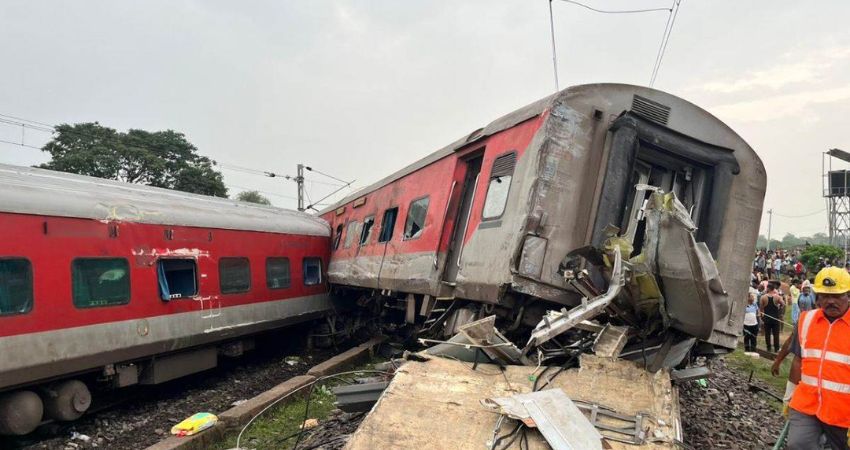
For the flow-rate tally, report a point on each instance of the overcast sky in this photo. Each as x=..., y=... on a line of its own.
x=358, y=89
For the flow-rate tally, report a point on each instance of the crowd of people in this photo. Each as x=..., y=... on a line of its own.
x=777, y=283
x=817, y=397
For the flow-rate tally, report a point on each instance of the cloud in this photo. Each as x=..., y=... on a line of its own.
x=780, y=106
x=796, y=68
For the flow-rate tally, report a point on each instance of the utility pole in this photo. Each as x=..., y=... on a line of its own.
x=299, y=179
x=769, y=224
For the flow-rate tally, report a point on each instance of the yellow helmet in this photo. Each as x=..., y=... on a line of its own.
x=832, y=280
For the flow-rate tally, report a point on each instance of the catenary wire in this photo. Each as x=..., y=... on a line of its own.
x=799, y=216
x=675, y=13
x=622, y=11
x=661, y=44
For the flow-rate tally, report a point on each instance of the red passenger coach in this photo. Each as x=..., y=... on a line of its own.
x=97, y=276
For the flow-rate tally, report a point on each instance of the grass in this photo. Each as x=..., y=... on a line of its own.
x=278, y=427
x=760, y=369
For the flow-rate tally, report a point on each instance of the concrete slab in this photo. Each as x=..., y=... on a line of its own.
x=436, y=404
x=346, y=358
x=199, y=441
x=240, y=414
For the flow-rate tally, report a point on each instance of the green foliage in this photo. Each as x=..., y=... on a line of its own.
x=812, y=254
x=252, y=197
x=163, y=158
x=790, y=241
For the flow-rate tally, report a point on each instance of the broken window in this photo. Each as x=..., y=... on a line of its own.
x=234, y=275
x=351, y=232
x=312, y=268
x=15, y=286
x=277, y=273
x=388, y=224
x=177, y=278
x=366, y=234
x=499, y=186
x=415, y=222
x=100, y=282
x=338, y=236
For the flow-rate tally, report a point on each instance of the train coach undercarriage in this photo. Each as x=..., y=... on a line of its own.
x=658, y=309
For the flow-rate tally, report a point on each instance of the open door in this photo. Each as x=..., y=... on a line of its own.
x=455, y=252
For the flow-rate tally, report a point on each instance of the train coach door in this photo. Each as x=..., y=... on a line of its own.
x=455, y=253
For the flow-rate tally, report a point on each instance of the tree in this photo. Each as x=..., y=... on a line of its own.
x=252, y=197
x=162, y=158
x=812, y=255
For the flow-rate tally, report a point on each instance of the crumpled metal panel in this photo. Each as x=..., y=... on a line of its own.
x=560, y=421
x=693, y=292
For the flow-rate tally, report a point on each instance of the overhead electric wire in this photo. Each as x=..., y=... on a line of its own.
x=20, y=144
x=554, y=50
x=44, y=127
x=801, y=215
x=621, y=11
x=322, y=173
x=668, y=30
x=332, y=193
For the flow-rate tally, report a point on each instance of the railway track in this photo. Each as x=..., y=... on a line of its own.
x=138, y=418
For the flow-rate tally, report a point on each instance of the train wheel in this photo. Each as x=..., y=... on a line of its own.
x=20, y=412
x=67, y=400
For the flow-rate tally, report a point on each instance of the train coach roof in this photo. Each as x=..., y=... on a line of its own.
x=502, y=123
x=25, y=190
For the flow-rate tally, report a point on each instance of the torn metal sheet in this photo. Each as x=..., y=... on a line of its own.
x=689, y=374
x=694, y=296
x=610, y=341
x=556, y=323
x=556, y=416
x=359, y=397
x=484, y=332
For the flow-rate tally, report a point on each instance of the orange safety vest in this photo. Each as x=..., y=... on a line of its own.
x=824, y=388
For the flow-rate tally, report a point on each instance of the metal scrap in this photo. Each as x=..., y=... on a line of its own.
x=557, y=322
x=359, y=397
x=552, y=412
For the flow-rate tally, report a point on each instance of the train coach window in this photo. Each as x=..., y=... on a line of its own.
x=388, y=224
x=499, y=186
x=366, y=234
x=177, y=278
x=416, y=218
x=15, y=286
x=234, y=275
x=338, y=236
x=350, y=232
x=100, y=282
x=312, y=268
x=277, y=273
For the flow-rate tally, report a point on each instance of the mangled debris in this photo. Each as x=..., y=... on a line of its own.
x=444, y=403
x=587, y=377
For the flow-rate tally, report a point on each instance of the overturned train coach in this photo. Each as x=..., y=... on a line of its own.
x=107, y=284
x=522, y=219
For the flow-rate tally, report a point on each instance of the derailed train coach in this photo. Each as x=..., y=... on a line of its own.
x=617, y=203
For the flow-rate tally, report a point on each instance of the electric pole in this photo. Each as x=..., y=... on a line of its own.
x=769, y=223
x=299, y=179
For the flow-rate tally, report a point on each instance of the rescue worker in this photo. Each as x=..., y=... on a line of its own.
x=821, y=401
